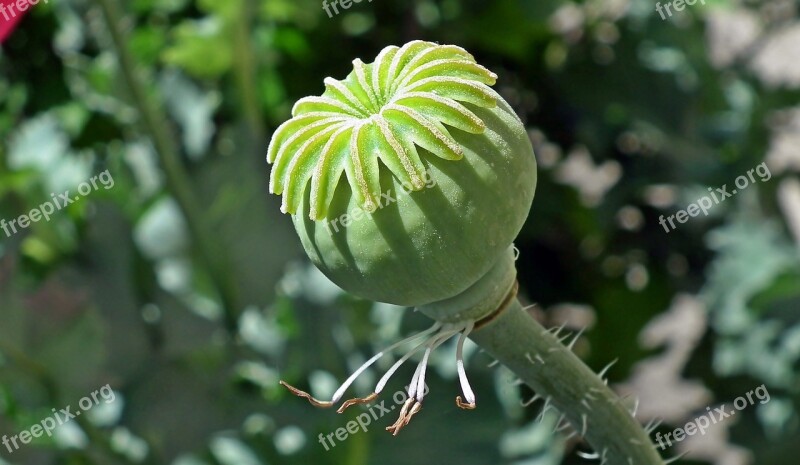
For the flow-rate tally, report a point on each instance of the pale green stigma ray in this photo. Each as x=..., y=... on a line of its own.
x=441, y=143
x=447, y=52
x=406, y=140
x=337, y=88
x=400, y=57
x=316, y=104
x=276, y=177
x=456, y=89
x=467, y=70
x=357, y=88
x=412, y=167
x=285, y=130
x=286, y=147
x=299, y=170
x=327, y=173
x=380, y=71
x=360, y=177
x=361, y=76
x=446, y=110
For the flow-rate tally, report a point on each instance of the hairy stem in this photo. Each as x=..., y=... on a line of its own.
x=555, y=373
x=177, y=179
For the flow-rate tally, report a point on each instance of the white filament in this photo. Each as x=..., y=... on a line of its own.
x=340, y=392
x=417, y=386
x=469, y=396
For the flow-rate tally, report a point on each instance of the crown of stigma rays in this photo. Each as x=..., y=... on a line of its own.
x=382, y=110
x=437, y=335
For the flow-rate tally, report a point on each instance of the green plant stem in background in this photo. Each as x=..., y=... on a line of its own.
x=245, y=70
x=177, y=179
x=537, y=356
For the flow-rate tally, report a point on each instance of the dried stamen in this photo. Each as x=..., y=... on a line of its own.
x=358, y=400
x=405, y=415
x=340, y=392
x=305, y=395
x=436, y=336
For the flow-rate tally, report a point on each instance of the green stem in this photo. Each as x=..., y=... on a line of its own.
x=540, y=359
x=245, y=70
x=534, y=354
x=177, y=178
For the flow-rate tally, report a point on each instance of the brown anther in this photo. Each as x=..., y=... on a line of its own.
x=465, y=405
x=357, y=400
x=405, y=415
x=416, y=408
x=305, y=395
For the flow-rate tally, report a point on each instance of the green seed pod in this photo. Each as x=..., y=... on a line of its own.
x=440, y=175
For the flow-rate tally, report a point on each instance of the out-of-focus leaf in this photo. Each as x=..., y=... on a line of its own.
x=200, y=47
x=161, y=232
x=130, y=446
x=751, y=255
x=536, y=441
x=262, y=333
x=160, y=6
x=192, y=108
x=42, y=145
x=231, y=451
x=142, y=160
x=290, y=440
x=147, y=42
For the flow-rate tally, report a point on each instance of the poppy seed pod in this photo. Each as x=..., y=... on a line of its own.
x=440, y=175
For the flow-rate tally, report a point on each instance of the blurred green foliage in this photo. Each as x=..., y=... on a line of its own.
x=185, y=289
